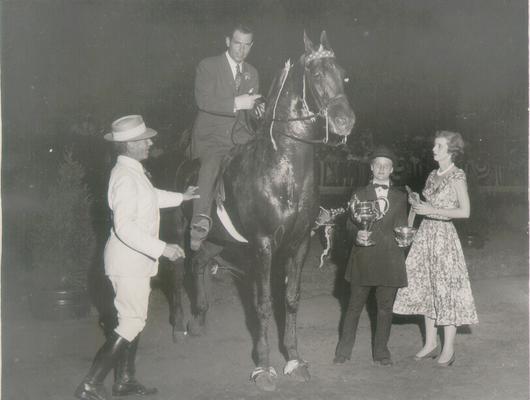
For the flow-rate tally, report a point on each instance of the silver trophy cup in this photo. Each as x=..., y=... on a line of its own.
x=404, y=235
x=365, y=213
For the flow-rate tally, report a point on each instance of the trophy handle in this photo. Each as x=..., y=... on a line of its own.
x=351, y=205
x=381, y=213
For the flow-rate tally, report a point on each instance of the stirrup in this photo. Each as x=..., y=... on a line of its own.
x=202, y=217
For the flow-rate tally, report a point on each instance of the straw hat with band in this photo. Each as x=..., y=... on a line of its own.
x=129, y=129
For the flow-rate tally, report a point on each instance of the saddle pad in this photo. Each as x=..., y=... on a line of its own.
x=227, y=223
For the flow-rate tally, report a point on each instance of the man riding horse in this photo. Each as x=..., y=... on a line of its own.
x=271, y=194
x=225, y=87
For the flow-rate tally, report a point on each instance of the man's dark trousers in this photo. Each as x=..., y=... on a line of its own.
x=385, y=299
x=207, y=175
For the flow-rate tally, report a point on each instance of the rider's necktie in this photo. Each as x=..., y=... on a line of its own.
x=239, y=77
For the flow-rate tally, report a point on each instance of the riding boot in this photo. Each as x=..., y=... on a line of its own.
x=125, y=382
x=92, y=388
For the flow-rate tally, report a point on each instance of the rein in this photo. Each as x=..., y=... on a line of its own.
x=322, y=112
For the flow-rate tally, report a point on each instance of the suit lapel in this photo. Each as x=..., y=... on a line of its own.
x=227, y=71
x=391, y=196
x=392, y=191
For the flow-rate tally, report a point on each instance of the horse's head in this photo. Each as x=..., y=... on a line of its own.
x=325, y=79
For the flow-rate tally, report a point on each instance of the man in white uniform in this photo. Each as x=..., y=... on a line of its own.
x=131, y=256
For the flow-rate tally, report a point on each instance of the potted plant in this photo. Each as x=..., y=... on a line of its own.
x=62, y=246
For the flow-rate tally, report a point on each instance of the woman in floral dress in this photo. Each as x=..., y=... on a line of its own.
x=438, y=283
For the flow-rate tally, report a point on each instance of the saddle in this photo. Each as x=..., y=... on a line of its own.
x=219, y=187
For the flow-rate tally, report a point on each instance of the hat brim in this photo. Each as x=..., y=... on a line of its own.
x=384, y=155
x=149, y=133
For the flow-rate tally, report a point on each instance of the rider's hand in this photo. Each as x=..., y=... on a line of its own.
x=245, y=101
x=190, y=193
x=173, y=252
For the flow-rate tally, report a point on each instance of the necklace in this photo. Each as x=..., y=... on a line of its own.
x=440, y=173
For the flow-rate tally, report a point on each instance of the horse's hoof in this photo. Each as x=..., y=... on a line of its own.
x=179, y=337
x=297, y=370
x=195, y=328
x=264, y=378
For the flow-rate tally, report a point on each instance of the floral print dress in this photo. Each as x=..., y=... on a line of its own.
x=438, y=282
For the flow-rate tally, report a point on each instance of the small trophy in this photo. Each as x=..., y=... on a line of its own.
x=404, y=235
x=365, y=213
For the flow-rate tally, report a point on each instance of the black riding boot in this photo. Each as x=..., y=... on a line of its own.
x=92, y=387
x=125, y=382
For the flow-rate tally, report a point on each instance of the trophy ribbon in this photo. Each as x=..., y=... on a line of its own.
x=326, y=218
x=412, y=214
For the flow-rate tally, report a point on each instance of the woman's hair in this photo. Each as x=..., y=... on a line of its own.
x=455, y=143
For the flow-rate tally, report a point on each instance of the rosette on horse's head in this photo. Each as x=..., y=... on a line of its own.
x=327, y=85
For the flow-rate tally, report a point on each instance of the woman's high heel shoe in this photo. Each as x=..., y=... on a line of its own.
x=448, y=363
x=431, y=354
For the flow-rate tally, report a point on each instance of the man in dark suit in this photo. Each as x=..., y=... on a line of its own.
x=225, y=88
x=380, y=267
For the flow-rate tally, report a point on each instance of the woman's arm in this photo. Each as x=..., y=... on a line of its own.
x=462, y=211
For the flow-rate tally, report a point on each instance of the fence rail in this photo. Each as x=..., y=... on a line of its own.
x=338, y=177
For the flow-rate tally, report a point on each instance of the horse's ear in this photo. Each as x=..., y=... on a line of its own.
x=324, y=41
x=309, y=48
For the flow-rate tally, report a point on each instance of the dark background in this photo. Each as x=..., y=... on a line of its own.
x=414, y=65
x=70, y=67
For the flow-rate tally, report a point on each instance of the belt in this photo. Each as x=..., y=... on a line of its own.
x=436, y=219
x=217, y=114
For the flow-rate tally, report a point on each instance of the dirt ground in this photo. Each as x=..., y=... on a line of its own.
x=46, y=360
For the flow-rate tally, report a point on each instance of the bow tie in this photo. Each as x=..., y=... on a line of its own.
x=378, y=185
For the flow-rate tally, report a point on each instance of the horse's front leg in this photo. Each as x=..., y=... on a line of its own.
x=295, y=367
x=263, y=375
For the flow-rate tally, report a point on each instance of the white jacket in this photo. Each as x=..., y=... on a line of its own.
x=133, y=247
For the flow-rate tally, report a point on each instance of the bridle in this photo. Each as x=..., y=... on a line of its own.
x=321, y=113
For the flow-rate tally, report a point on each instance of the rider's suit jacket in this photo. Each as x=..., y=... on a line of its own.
x=215, y=90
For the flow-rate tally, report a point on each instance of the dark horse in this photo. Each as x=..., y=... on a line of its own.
x=271, y=194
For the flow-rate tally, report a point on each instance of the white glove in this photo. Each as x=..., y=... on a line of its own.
x=245, y=101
